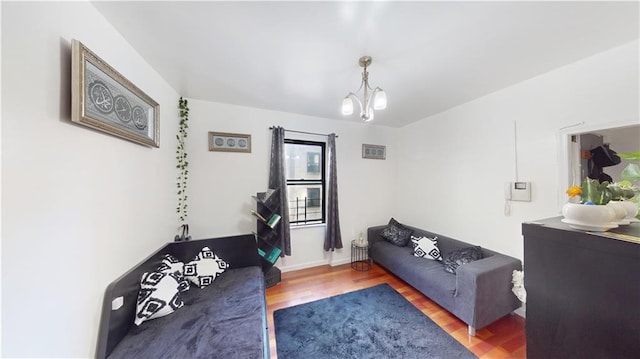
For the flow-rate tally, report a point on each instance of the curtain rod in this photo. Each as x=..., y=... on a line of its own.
x=306, y=133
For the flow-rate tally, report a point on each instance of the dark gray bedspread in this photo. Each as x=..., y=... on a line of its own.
x=223, y=320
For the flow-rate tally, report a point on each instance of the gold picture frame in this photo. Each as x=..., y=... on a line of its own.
x=103, y=99
x=229, y=142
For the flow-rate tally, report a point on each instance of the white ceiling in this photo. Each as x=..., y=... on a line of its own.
x=302, y=57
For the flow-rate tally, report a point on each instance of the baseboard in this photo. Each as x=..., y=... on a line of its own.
x=291, y=268
x=302, y=266
x=522, y=311
x=340, y=262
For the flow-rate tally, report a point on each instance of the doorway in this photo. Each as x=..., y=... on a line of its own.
x=576, y=142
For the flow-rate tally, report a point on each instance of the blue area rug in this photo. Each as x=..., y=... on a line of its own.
x=376, y=322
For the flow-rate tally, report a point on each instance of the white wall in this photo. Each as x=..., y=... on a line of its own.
x=455, y=163
x=221, y=183
x=79, y=207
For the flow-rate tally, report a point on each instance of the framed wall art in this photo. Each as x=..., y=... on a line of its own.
x=103, y=99
x=229, y=142
x=375, y=152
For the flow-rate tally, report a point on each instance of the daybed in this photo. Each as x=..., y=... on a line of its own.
x=478, y=294
x=226, y=319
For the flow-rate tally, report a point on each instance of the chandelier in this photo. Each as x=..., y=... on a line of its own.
x=373, y=99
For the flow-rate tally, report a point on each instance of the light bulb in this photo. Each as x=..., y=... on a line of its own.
x=379, y=99
x=347, y=106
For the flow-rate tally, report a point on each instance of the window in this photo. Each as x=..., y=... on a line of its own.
x=305, y=181
x=313, y=162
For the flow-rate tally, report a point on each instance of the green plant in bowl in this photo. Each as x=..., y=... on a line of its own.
x=632, y=171
x=594, y=192
x=631, y=178
x=622, y=190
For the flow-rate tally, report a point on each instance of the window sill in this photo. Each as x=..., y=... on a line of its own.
x=303, y=226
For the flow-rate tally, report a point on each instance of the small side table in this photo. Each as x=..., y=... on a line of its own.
x=360, y=260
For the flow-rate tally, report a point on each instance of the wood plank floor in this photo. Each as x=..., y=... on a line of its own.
x=502, y=339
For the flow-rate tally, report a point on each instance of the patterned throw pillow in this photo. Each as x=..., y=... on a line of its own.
x=454, y=259
x=426, y=247
x=204, y=268
x=396, y=233
x=175, y=268
x=158, y=296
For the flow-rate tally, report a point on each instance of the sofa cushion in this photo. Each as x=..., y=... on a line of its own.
x=173, y=266
x=204, y=268
x=454, y=259
x=426, y=247
x=158, y=296
x=396, y=233
x=426, y=276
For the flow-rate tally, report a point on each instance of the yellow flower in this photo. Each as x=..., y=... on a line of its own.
x=574, y=191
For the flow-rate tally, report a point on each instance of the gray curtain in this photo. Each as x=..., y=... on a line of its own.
x=333, y=238
x=278, y=180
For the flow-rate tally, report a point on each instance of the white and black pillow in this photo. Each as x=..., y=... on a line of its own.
x=204, y=268
x=172, y=263
x=175, y=268
x=454, y=259
x=158, y=296
x=426, y=247
x=396, y=233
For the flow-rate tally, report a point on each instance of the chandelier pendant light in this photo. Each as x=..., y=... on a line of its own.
x=373, y=99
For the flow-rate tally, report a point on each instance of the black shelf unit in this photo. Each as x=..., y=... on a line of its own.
x=267, y=223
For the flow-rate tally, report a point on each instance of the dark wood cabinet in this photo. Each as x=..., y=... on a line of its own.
x=583, y=291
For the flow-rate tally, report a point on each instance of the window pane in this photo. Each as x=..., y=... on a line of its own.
x=303, y=161
x=305, y=202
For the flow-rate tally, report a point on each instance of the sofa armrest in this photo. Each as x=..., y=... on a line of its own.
x=373, y=234
x=483, y=289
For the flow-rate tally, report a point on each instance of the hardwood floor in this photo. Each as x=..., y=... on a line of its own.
x=502, y=339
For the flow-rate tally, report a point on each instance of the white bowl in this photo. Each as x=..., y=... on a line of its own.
x=632, y=209
x=620, y=210
x=589, y=214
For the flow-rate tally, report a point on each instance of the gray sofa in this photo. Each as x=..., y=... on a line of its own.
x=226, y=319
x=478, y=294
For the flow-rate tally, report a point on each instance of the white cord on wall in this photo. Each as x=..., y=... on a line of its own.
x=515, y=147
x=507, y=202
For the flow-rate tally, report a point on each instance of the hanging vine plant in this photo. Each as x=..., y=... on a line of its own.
x=183, y=164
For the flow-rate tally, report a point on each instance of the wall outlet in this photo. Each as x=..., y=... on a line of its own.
x=117, y=303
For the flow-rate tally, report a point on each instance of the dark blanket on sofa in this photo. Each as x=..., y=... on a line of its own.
x=220, y=319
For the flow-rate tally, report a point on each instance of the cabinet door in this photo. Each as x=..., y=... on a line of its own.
x=582, y=296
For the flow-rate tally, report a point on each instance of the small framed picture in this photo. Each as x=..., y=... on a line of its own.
x=375, y=152
x=229, y=142
x=105, y=100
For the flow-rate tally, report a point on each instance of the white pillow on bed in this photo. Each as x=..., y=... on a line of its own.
x=204, y=268
x=173, y=266
x=158, y=296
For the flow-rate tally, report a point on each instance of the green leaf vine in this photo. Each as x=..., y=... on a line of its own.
x=183, y=164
